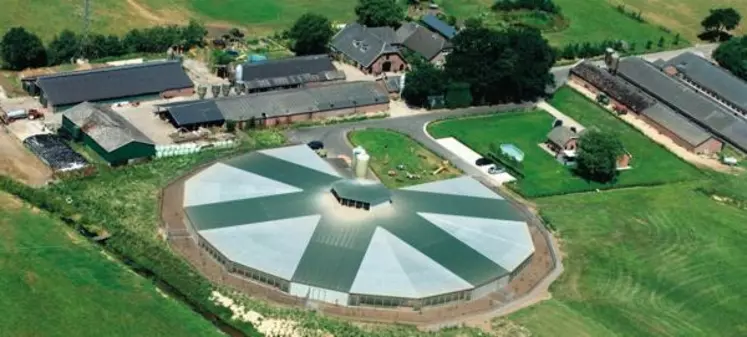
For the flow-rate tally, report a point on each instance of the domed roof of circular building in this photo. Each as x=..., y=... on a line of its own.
x=274, y=211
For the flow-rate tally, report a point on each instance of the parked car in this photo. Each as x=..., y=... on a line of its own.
x=495, y=170
x=315, y=145
x=483, y=161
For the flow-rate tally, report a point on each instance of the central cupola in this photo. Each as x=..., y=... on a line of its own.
x=361, y=194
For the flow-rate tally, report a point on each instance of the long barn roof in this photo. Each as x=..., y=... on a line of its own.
x=696, y=107
x=113, y=82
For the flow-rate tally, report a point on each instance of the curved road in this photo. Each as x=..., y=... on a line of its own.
x=335, y=136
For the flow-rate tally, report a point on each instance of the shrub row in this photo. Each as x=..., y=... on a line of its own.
x=540, y=5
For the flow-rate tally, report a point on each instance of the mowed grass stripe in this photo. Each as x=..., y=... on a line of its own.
x=660, y=261
x=54, y=283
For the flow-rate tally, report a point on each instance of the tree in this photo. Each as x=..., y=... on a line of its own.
x=64, y=47
x=649, y=44
x=510, y=65
x=676, y=40
x=311, y=34
x=597, y=154
x=721, y=20
x=192, y=35
x=422, y=81
x=660, y=44
x=377, y=13
x=21, y=49
x=732, y=55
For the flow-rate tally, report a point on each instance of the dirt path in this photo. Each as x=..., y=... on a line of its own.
x=667, y=142
x=145, y=13
x=18, y=163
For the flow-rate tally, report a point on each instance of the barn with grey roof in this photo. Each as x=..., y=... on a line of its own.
x=710, y=79
x=283, y=106
x=373, y=50
x=283, y=217
x=286, y=73
x=137, y=82
x=106, y=132
x=685, y=100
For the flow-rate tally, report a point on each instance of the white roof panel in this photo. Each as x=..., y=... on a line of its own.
x=274, y=247
x=221, y=183
x=391, y=267
x=507, y=243
x=304, y=156
x=463, y=186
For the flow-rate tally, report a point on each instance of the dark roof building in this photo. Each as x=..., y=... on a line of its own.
x=421, y=40
x=614, y=87
x=113, y=83
x=439, y=26
x=286, y=218
x=107, y=133
x=192, y=116
x=690, y=133
x=289, y=72
x=364, y=45
x=332, y=97
x=714, y=80
x=561, y=135
x=685, y=100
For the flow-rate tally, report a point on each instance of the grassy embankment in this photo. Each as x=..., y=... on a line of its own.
x=55, y=283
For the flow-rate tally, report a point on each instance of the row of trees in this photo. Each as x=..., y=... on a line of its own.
x=573, y=51
x=510, y=65
x=538, y=5
x=22, y=49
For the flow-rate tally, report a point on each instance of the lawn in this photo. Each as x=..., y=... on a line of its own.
x=683, y=16
x=651, y=163
x=588, y=21
x=389, y=149
x=47, y=17
x=54, y=283
x=658, y=261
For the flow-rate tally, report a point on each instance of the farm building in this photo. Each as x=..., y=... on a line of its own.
x=372, y=49
x=282, y=107
x=287, y=73
x=431, y=46
x=563, y=142
x=287, y=219
x=151, y=80
x=680, y=97
x=107, y=133
x=437, y=25
x=625, y=98
x=709, y=79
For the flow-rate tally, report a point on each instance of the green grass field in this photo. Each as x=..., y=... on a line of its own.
x=683, y=16
x=388, y=149
x=544, y=175
x=657, y=261
x=588, y=21
x=54, y=283
x=47, y=18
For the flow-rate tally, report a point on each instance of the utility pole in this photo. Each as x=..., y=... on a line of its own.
x=86, y=27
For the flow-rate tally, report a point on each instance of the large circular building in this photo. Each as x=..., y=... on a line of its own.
x=287, y=218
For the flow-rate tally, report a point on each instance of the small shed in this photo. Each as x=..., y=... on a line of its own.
x=106, y=132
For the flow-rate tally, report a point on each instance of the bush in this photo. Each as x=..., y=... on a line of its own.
x=539, y=5
x=458, y=95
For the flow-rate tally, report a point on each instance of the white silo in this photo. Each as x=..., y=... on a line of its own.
x=356, y=152
x=361, y=164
